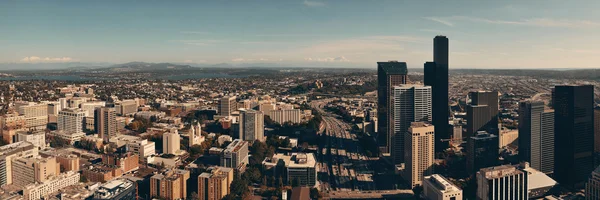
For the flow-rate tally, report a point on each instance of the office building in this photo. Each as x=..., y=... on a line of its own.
x=513, y=182
x=389, y=74
x=502, y=182
x=70, y=121
x=31, y=169
x=10, y=151
x=227, y=105
x=536, y=136
x=36, y=114
x=126, y=107
x=105, y=123
x=437, y=187
x=38, y=190
x=482, y=151
x=573, y=133
x=436, y=76
x=252, y=125
x=482, y=113
x=10, y=123
x=420, y=151
x=171, y=184
x=120, y=189
x=235, y=155
x=144, y=148
x=126, y=161
x=298, y=168
x=411, y=103
x=91, y=106
x=171, y=142
x=214, y=184
x=35, y=137
x=592, y=187
x=293, y=116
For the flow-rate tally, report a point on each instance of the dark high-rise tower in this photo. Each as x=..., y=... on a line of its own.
x=482, y=113
x=436, y=76
x=573, y=133
x=536, y=135
x=389, y=74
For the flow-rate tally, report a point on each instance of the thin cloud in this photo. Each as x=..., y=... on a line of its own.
x=194, y=32
x=313, y=3
x=36, y=59
x=439, y=20
x=536, y=22
x=328, y=59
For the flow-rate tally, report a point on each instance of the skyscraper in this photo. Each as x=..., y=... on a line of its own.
x=252, y=125
x=482, y=113
x=573, y=133
x=419, y=152
x=411, y=103
x=436, y=76
x=105, y=122
x=536, y=136
x=389, y=74
x=482, y=151
x=597, y=130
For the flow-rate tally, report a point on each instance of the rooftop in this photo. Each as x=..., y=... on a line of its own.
x=441, y=183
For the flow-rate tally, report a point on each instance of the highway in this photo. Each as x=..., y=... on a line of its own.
x=343, y=164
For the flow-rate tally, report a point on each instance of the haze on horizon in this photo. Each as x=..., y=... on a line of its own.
x=297, y=33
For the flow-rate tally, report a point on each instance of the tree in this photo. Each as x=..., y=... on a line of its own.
x=315, y=194
x=83, y=179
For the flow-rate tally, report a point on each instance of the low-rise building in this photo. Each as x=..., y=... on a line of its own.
x=120, y=189
x=41, y=189
x=298, y=167
x=437, y=187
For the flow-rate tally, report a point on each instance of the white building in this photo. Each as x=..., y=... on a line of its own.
x=90, y=107
x=10, y=151
x=38, y=190
x=437, y=187
x=288, y=115
x=144, y=148
x=171, y=142
x=494, y=183
x=298, y=166
x=70, y=121
x=235, y=155
x=410, y=103
x=37, y=138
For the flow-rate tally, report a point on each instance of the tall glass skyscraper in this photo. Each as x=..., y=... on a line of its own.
x=536, y=135
x=389, y=74
x=411, y=103
x=436, y=76
x=573, y=133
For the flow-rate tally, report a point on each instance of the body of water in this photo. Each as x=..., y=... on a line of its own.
x=86, y=78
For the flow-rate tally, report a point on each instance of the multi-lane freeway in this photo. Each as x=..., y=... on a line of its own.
x=343, y=164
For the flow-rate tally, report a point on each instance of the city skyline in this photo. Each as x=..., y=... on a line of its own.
x=352, y=34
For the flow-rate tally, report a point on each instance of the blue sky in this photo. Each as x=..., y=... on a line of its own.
x=349, y=33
